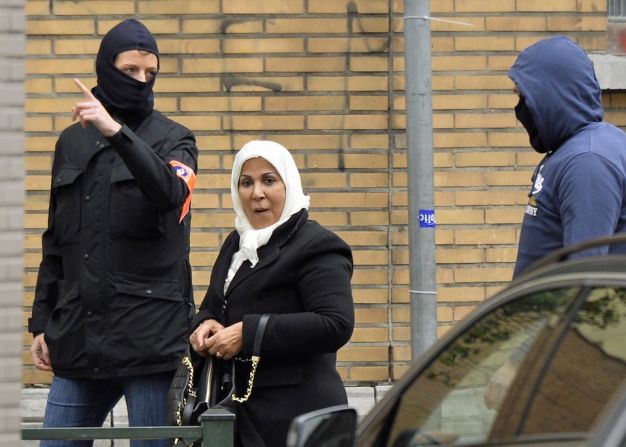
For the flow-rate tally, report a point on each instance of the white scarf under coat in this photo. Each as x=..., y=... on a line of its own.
x=250, y=239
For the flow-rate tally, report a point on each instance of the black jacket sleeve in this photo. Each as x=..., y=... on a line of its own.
x=151, y=169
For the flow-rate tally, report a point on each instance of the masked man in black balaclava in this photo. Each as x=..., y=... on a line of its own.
x=577, y=191
x=113, y=299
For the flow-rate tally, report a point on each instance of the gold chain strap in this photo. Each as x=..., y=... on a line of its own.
x=181, y=405
x=255, y=361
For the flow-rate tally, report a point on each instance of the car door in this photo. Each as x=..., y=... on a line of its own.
x=538, y=366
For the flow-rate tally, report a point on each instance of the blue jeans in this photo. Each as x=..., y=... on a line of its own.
x=86, y=403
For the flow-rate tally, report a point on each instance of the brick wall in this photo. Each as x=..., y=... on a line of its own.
x=12, y=45
x=325, y=78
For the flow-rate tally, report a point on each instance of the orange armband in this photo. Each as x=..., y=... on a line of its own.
x=186, y=174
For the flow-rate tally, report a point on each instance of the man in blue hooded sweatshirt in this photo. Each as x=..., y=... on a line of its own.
x=114, y=300
x=579, y=188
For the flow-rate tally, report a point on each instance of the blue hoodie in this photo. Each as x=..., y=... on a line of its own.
x=579, y=189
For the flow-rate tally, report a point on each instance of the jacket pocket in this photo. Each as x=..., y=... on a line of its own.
x=66, y=188
x=131, y=215
x=149, y=320
x=147, y=288
x=64, y=333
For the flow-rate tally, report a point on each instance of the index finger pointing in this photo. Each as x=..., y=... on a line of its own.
x=84, y=89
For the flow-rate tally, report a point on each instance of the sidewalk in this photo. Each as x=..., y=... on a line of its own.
x=33, y=404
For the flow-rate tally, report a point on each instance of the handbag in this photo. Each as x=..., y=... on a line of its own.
x=201, y=383
x=198, y=384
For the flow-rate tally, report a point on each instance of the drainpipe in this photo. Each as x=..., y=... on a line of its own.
x=419, y=135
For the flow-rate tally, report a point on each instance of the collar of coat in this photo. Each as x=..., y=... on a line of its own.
x=267, y=253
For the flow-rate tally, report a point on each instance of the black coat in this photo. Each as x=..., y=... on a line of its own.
x=302, y=280
x=113, y=295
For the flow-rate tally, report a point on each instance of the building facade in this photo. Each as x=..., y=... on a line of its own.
x=325, y=78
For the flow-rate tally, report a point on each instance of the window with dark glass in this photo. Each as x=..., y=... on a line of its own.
x=515, y=372
x=586, y=370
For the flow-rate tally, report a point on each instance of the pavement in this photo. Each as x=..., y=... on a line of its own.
x=33, y=404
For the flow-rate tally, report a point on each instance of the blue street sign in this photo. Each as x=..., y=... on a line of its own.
x=427, y=218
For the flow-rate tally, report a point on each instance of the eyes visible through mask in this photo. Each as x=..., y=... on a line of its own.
x=137, y=73
x=139, y=65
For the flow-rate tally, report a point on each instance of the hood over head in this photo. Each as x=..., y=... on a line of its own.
x=559, y=91
x=122, y=95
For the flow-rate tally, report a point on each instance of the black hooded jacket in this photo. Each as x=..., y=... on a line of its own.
x=114, y=294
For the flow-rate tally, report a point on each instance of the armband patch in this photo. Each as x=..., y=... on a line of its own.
x=186, y=174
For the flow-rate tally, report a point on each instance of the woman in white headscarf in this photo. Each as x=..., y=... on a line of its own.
x=277, y=263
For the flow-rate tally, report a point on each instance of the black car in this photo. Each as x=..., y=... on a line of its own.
x=541, y=363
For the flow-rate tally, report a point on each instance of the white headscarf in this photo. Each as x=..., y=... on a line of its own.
x=295, y=200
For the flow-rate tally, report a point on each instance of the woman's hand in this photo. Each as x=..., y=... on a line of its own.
x=226, y=343
x=40, y=354
x=200, y=336
x=92, y=111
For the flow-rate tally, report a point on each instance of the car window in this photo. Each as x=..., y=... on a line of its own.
x=586, y=371
x=546, y=363
x=456, y=399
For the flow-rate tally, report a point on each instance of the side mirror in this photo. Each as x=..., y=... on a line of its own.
x=328, y=427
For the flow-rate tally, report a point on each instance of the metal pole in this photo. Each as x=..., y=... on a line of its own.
x=419, y=133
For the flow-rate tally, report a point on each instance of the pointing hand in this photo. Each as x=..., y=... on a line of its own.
x=92, y=111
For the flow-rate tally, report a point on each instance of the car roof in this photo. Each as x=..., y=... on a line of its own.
x=583, y=266
x=563, y=258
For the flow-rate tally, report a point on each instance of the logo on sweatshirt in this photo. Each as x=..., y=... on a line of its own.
x=531, y=208
x=538, y=185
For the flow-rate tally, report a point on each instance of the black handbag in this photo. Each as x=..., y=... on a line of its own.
x=202, y=383
x=198, y=384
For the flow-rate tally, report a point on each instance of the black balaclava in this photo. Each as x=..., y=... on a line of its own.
x=522, y=113
x=123, y=96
